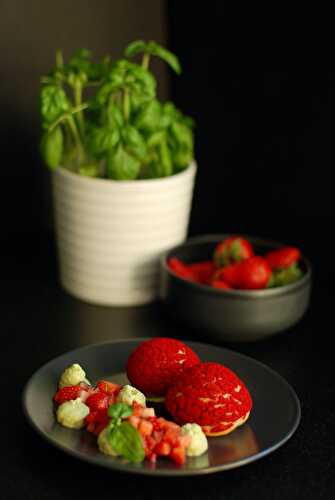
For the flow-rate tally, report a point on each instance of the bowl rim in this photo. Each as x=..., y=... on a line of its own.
x=244, y=294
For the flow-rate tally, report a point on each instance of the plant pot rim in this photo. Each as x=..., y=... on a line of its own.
x=140, y=182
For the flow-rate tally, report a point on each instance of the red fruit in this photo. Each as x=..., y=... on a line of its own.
x=134, y=421
x=145, y=428
x=96, y=421
x=137, y=409
x=181, y=269
x=208, y=394
x=155, y=363
x=253, y=273
x=203, y=271
x=163, y=448
x=232, y=249
x=217, y=283
x=230, y=275
x=283, y=258
x=178, y=455
x=109, y=387
x=171, y=436
x=97, y=401
x=67, y=393
x=152, y=458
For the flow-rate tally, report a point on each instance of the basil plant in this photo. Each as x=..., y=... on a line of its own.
x=121, y=130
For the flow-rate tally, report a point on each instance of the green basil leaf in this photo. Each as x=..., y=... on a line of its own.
x=102, y=139
x=80, y=62
x=181, y=159
x=182, y=135
x=156, y=138
x=134, y=142
x=134, y=48
x=126, y=441
x=114, y=115
x=121, y=165
x=154, y=49
x=91, y=170
x=126, y=75
x=53, y=102
x=104, y=92
x=161, y=164
x=52, y=146
x=165, y=160
x=140, y=81
x=119, y=410
x=157, y=50
x=148, y=116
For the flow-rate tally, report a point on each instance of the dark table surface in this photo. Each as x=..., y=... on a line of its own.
x=40, y=321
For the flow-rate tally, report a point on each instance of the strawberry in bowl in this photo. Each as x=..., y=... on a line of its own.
x=255, y=293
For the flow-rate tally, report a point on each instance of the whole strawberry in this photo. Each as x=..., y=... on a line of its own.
x=232, y=249
x=283, y=258
x=249, y=274
x=181, y=269
x=253, y=273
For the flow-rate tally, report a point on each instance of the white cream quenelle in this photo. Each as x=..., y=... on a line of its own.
x=72, y=413
x=104, y=444
x=72, y=375
x=199, y=443
x=129, y=394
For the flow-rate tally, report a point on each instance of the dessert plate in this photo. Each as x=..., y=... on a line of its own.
x=274, y=418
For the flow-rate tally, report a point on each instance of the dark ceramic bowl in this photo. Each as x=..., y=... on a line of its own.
x=232, y=315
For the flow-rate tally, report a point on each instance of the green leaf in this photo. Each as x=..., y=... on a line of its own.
x=165, y=160
x=181, y=159
x=102, y=139
x=287, y=276
x=182, y=136
x=104, y=92
x=134, y=142
x=91, y=170
x=154, y=49
x=126, y=441
x=135, y=48
x=52, y=146
x=126, y=75
x=141, y=79
x=119, y=410
x=53, y=103
x=157, y=50
x=148, y=116
x=161, y=164
x=121, y=165
x=114, y=115
x=271, y=282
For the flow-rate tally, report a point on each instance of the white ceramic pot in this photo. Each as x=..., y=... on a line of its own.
x=110, y=234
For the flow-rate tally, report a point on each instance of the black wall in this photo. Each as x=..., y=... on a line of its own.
x=263, y=98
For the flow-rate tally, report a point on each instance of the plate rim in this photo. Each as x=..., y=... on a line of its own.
x=163, y=472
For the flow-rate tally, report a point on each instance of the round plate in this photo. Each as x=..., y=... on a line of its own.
x=274, y=417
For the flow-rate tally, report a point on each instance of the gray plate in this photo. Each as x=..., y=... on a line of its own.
x=274, y=418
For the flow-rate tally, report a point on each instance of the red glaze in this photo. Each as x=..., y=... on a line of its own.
x=210, y=395
x=155, y=363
